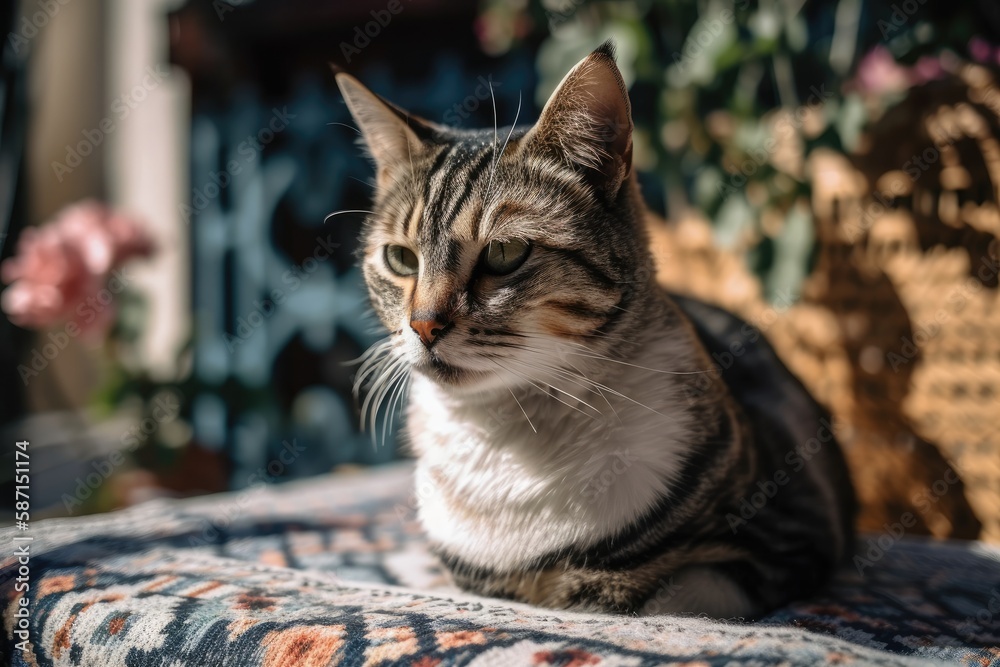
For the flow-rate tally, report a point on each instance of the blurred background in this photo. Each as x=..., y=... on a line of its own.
x=179, y=310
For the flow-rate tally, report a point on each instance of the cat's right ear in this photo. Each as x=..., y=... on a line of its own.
x=392, y=136
x=588, y=122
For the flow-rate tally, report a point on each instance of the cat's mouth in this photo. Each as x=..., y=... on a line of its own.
x=449, y=374
x=438, y=369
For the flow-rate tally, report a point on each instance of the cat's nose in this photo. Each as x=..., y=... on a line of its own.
x=429, y=330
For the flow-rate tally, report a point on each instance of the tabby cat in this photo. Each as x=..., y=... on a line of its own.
x=583, y=439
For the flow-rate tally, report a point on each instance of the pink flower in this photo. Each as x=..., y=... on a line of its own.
x=878, y=72
x=927, y=69
x=980, y=50
x=62, y=269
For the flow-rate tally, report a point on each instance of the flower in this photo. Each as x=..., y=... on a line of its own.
x=878, y=72
x=62, y=270
x=982, y=51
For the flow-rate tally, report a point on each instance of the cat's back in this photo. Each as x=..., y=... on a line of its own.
x=802, y=472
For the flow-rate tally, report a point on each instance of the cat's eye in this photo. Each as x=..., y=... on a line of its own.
x=401, y=260
x=503, y=257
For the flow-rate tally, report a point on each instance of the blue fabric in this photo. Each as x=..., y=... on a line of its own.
x=334, y=572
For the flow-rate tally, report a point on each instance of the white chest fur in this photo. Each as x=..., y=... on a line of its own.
x=498, y=494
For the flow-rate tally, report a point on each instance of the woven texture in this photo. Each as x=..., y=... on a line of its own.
x=334, y=572
x=895, y=328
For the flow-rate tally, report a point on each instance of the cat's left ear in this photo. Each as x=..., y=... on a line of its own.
x=588, y=122
x=392, y=135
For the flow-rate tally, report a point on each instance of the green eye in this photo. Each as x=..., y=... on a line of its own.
x=503, y=257
x=401, y=260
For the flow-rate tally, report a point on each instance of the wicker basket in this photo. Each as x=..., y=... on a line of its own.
x=897, y=330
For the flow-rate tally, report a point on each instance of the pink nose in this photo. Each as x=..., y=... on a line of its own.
x=428, y=330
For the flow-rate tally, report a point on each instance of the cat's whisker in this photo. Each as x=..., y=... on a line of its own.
x=587, y=352
x=497, y=161
x=390, y=388
x=615, y=392
x=395, y=370
x=597, y=335
x=350, y=127
x=403, y=393
x=351, y=210
x=579, y=379
x=512, y=395
x=399, y=389
x=495, y=129
x=586, y=379
x=369, y=183
x=540, y=362
x=532, y=381
x=370, y=361
x=601, y=357
x=377, y=389
x=372, y=349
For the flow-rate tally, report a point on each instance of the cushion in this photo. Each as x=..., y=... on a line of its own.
x=334, y=571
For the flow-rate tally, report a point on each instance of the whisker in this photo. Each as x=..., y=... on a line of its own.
x=377, y=389
x=384, y=387
x=601, y=357
x=586, y=352
x=497, y=161
x=350, y=127
x=495, y=129
x=371, y=360
x=554, y=388
x=400, y=380
x=581, y=380
x=541, y=335
x=544, y=364
x=347, y=211
x=512, y=395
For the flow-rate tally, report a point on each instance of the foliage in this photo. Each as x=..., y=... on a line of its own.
x=731, y=96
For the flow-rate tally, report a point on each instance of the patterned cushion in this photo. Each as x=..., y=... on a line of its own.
x=333, y=572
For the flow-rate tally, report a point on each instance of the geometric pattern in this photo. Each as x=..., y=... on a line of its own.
x=333, y=571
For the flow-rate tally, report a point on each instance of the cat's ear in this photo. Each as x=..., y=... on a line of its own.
x=588, y=122
x=392, y=135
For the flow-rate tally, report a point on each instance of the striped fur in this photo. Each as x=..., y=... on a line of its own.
x=578, y=443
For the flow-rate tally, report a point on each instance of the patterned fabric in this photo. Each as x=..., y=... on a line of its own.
x=334, y=572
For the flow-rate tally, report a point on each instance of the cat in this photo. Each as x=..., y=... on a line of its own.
x=583, y=440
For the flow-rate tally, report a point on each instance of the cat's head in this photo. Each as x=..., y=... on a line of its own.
x=497, y=256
